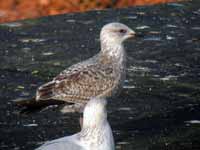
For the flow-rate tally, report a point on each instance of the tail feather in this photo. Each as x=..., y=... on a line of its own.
x=44, y=95
x=45, y=91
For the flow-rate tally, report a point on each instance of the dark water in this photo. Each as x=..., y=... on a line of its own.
x=159, y=107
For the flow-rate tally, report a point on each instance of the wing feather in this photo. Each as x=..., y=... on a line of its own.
x=79, y=85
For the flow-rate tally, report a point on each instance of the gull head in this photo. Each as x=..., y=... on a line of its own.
x=95, y=112
x=116, y=33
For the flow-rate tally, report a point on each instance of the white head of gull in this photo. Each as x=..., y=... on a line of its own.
x=112, y=37
x=96, y=133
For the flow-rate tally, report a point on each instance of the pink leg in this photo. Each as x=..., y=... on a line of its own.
x=81, y=121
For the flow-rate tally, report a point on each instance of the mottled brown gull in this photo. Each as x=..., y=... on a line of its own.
x=96, y=133
x=99, y=76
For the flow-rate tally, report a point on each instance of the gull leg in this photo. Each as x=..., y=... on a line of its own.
x=81, y=121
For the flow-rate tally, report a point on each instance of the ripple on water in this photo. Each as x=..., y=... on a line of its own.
x=31, y=40
x=171, y=26
x=151, y=61
x=131, y=17
x=139, y=69
x=48, y=53
x=71, y=20
x=169, y=77
x=193, y=121
x=168, y=37
x=142, y=27
x=30, y=125
x=152, y=38
x=124, y=109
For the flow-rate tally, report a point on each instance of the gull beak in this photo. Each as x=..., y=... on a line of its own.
x=131, y=34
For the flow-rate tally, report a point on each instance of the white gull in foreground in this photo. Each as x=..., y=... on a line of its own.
x=96, y=133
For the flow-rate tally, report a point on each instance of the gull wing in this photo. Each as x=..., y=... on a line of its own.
x=79, y=84
x=64, y=143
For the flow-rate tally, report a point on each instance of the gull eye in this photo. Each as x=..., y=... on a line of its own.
x=122, y=31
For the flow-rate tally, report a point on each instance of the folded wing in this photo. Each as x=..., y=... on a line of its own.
x=78, y=85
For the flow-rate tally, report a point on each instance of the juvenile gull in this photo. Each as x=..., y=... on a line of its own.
x=99, y=76
x=96, y=133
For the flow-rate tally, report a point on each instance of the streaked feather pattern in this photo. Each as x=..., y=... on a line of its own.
x=80, y=84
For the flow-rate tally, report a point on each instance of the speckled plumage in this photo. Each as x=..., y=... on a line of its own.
x=100, y=76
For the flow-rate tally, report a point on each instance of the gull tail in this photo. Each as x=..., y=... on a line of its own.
x=45, y=92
